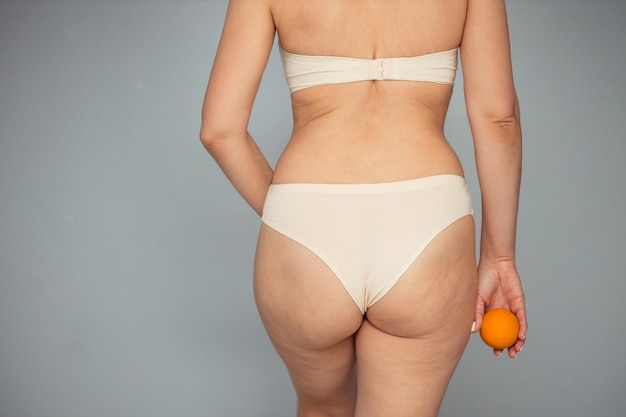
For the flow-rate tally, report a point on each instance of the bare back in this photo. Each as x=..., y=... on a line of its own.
x=342, y=362
x=368, y=131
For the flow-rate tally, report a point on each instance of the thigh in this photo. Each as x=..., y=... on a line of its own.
x=309, y=317
x=414, y=337
x=403, y=377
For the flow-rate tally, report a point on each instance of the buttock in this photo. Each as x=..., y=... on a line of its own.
x=367, y=234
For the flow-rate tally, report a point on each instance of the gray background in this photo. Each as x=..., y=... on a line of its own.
x=126, y=257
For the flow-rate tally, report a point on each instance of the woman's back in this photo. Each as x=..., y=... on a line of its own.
x=365, y=269
x=368, y=131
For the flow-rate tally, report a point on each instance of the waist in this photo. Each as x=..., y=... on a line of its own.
x=351, y=158
x=371, y=188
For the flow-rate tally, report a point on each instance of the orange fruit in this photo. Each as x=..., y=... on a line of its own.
x=499, y=329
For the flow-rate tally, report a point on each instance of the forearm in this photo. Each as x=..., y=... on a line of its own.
x=243, y=164
x=498, y=147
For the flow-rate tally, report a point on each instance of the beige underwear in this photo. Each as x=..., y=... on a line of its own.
x=367, y=234
x=304, y=71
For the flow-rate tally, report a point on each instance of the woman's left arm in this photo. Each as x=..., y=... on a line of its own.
x=242, y=55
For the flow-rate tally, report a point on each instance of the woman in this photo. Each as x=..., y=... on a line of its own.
x=365, y=272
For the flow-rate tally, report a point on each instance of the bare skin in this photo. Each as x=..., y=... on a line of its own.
x=398, y=358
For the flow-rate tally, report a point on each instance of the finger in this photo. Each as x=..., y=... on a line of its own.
x=516, y=348
x=520, y=313
x=518, y=307
x=479, y=314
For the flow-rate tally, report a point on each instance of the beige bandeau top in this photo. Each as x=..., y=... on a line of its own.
x=304, y=71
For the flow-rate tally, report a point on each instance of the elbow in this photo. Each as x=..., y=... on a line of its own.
x=207, y=136
x=211, y=137
x=217, y=131
x=497, y=133
x=505, y=121
x=504, y=117
x=507, y=116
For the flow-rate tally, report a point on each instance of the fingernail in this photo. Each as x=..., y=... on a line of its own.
x=473, y=326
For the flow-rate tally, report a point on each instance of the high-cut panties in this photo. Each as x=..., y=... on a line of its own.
x=367, y=234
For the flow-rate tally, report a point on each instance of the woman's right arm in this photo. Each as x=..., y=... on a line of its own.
x=244, y=49
x=493, y=112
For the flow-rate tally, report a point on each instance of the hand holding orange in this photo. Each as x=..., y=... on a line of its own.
x=499, y=329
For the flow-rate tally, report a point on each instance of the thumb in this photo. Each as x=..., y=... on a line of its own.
x=478, y=315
